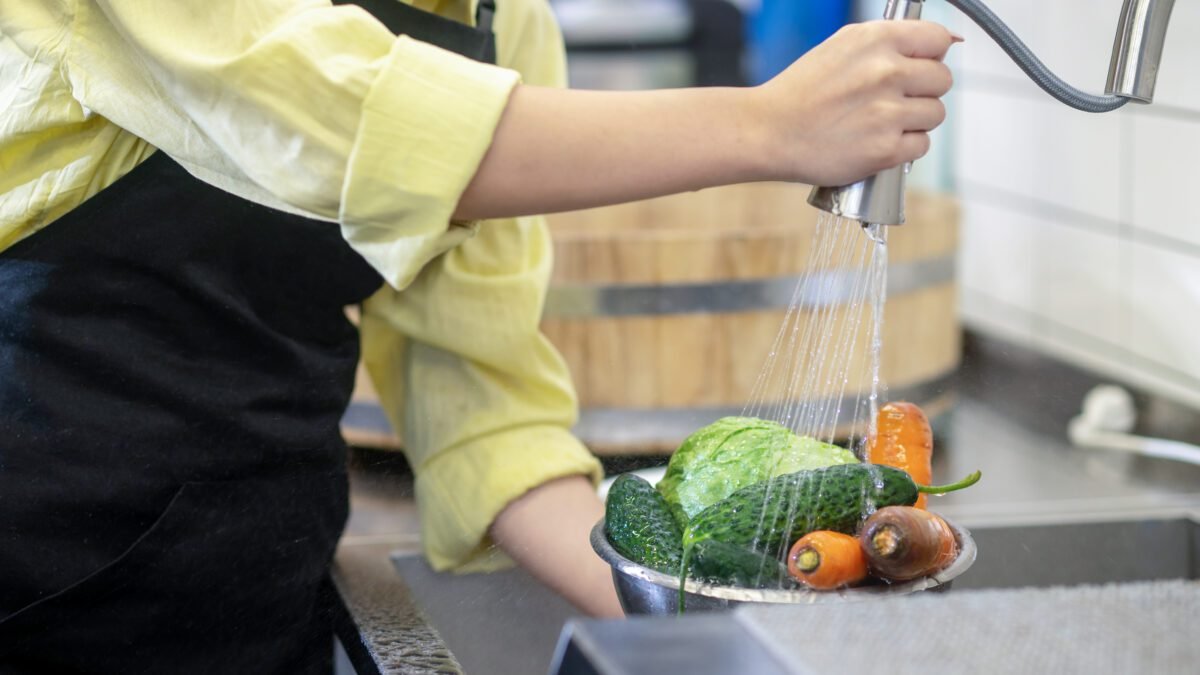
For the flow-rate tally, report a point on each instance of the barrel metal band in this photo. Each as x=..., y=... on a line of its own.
x=826, y=288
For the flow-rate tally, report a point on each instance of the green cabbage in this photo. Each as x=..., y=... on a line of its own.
x=734, y=452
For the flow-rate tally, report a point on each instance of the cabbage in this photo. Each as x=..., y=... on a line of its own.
x=734, y=452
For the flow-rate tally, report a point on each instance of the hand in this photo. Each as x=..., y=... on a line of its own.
x=860, y=102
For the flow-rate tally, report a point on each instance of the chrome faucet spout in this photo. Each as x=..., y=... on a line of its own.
x=1137, y=49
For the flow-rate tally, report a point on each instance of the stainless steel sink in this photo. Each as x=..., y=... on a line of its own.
x=1068, y=554
x=1100, y=554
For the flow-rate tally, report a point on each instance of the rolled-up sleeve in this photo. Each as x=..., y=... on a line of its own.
x=483, y=401
x=302, y=106
x=430, y=153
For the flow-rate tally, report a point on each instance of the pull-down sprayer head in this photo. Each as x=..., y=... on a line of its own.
x=1133, y=70
x=880, y=198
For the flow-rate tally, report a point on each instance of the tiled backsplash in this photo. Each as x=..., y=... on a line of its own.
x=1081, y=232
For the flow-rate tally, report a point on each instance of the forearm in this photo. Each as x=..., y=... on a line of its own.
x=546, y=532
x=858, y=103
x=557, y=150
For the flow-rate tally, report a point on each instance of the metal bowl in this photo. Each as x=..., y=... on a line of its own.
x=646, y=591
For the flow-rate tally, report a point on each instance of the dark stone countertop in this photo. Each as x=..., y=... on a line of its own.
x=383, y=630
x=379, y=621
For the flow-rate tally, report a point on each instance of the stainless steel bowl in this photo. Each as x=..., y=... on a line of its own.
x=646, y=591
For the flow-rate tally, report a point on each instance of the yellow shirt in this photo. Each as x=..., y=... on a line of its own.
x=321, y=111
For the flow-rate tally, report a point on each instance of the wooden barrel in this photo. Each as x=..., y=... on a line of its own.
x=666, y=309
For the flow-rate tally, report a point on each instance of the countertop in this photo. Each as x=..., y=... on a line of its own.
x=1009, y=421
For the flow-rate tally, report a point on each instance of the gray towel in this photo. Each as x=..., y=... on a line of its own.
x=1147, y=627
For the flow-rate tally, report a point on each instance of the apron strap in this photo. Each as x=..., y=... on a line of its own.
x=402, y=19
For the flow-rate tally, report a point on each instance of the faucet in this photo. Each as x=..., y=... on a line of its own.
x=1137, y=49
x=1132, y=74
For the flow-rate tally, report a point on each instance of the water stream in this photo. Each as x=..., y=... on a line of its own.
x=822, y=376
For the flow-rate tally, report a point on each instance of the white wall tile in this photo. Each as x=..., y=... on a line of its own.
x=1165, y=317
x=1068, y=275
x=994, y=141
x=1039, y=148
x=1166, y=176
x=1078, y=280
x=1076, y=160
x=996, y=254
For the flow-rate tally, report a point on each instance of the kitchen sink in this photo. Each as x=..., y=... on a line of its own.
x=1092, y=559
x=475, y=613
x=1070, y=554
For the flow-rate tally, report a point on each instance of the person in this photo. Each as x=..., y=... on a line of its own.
x=194, y=191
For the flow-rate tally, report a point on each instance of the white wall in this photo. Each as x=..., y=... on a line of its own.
x=1081, y=234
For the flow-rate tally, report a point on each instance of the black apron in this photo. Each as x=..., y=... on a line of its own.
x=174, y=363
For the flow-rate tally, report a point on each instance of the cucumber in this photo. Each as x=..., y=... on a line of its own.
x=639, y=524
x=767, y=516
x=718, y=562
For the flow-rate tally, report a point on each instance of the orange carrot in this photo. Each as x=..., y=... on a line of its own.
x=904, y=440
x=825, y=559
x=903, y=543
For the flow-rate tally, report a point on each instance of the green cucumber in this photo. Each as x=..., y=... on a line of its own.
x=718, y=562
x=767, y=516
x=640, y=526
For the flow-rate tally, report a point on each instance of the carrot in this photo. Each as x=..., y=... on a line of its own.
x=825, y=559
x=903, y=543
x=904, y=440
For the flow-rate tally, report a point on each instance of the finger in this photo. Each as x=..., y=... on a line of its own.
x=913, y=146
x=922, y=39
x=923, y=114
x=925, y=77
x=955, y=38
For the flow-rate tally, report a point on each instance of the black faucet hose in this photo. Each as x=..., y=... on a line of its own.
x=1024, y=57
